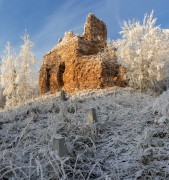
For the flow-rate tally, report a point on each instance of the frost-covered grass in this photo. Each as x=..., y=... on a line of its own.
x=126, y=143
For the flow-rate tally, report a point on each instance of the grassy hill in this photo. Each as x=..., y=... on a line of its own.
x=127, y=142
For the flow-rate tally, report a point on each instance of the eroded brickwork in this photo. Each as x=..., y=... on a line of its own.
x=75, y=63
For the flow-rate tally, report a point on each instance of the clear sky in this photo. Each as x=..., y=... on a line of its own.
x=47, y=20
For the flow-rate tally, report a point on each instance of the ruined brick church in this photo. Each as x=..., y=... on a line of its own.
x=75, y=63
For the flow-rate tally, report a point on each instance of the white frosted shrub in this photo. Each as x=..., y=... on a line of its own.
x=161, y=104
x=27, y=75
x=19, y=75
x=2, y=98
x=8, y=77
x=144, y=51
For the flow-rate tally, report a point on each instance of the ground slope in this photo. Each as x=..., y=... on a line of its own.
x=126, y=143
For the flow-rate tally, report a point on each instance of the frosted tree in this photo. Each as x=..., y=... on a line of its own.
x=26, y=71
x=2, y=96
x=144, y=52
x=8, y=76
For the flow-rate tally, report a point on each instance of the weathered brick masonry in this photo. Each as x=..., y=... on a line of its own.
x=75, y=63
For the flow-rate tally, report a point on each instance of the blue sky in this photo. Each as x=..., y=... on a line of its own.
x=47, y=20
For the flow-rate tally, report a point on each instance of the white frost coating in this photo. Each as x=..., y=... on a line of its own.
x=19, y=75
x=127, y=144
x=161, y=104
x=27, y=74
x=143, y=51
x=166, y=31
x=8, y=76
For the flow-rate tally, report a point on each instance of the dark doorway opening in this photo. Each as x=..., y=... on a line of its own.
x=47, y=79
x=60, y=75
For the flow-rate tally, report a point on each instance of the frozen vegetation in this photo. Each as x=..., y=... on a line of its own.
x=18, y=74
x=144, y=50
x=126, y=143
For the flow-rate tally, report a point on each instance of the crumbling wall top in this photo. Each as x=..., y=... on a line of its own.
x=95, y=30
